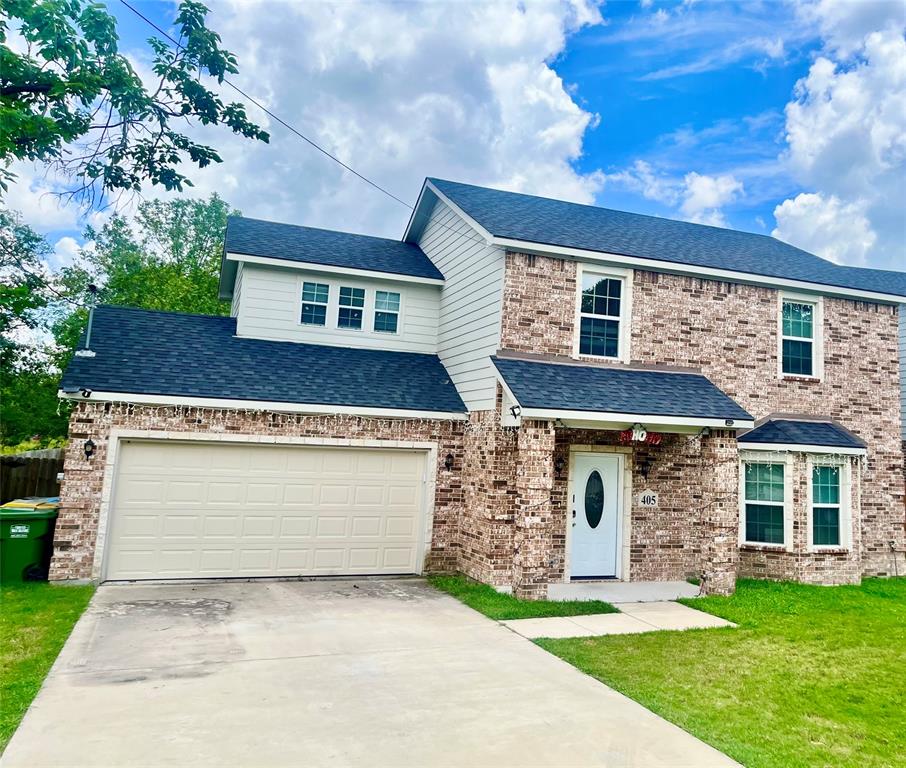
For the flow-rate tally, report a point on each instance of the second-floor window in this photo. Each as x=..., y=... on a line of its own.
x=314, y=303
x=798, y=330
x=352, y=304
x=386, y=311
x=600, y=308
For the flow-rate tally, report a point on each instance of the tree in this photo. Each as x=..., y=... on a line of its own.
x=28, y=401
x=23, y=284
x=73, y=102
x=167, y=258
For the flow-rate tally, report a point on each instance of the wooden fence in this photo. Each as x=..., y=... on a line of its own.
x=33, y=473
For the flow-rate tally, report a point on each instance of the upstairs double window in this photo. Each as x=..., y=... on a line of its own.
x=603, y=315
x=800, y=337
x=349, y=308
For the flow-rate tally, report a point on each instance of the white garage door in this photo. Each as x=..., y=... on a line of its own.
x=203, y=510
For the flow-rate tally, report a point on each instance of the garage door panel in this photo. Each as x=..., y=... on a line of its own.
x=185, y=510
x=298, y=494
x=295, y=526
x=181, y=526
x=401, y=557
x=224, y=493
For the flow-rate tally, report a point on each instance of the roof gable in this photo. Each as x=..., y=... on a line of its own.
x=552, y=222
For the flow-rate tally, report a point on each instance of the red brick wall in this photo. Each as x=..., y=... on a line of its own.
x=81, y=492
x=729, y=331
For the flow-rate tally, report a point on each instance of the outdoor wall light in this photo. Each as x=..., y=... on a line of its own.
x=448, y=462
x=644, y=467
x=89, y=447
x=558, y=465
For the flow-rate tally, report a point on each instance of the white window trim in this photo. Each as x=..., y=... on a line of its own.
x=364, y=308
x=625, y=319
x=817, y=338
x=846, y=528
x=333, y=307
x=375, y=310
x=326, y=304
x=787, y=505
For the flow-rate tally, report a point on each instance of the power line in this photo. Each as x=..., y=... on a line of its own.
x=276, y=117
x=292, y=129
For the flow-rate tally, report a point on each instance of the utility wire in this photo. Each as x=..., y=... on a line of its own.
x=299, y=133
x=275, y=117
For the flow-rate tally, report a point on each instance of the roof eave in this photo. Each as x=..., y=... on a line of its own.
x=310, y=266
x=802, y=448
x=258, y=405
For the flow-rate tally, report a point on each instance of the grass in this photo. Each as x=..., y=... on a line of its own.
x=496, y=605
x=35, y=620
x=813, y=676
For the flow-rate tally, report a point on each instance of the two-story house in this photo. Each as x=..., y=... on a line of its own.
x=525, y=390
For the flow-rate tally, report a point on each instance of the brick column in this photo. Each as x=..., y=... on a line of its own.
x=720, y=512
x=534, y=523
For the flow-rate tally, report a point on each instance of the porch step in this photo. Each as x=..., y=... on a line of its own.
x=622, y=591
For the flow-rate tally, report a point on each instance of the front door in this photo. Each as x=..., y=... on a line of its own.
x=595, y=515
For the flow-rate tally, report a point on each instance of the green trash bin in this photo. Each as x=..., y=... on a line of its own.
x=26, y=538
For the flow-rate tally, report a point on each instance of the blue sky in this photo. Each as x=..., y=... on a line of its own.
x=775, y=117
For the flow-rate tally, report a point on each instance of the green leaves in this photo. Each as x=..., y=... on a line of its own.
x=73, y=102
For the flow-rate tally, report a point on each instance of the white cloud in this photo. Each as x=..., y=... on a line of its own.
x=827, y=227
x=846, y=134
x=844, y=24
x=704, y=196
x=399, y=92
x=694, y=197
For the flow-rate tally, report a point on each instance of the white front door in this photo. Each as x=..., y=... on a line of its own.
x=596, y=502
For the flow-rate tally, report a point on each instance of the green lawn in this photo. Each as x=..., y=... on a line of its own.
x=813, y=676
x=35, y=620
x=495, y=605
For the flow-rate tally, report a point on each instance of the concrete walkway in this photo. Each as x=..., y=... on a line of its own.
x=634, y=618
x=342, y=673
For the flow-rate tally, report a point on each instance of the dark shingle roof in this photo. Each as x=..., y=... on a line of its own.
x=554, y=222
x=799, y=432
x=615, y=390
x=254, y=237
x=164, y=353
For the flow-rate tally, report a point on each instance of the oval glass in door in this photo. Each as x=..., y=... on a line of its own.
x=594, y=499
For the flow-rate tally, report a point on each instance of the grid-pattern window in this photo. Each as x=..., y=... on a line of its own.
x=599, y=316
x=352, y=304
x=798, y=338
x=764, y=498
x=314, y=303
x=386, y=311
x=826, y=506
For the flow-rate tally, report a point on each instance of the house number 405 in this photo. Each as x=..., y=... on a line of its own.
x=648, y=499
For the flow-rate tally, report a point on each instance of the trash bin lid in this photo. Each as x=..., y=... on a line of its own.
x=33, y=506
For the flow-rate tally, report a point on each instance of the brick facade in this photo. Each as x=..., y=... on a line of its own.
x=502, y=514
x=85, y=484
x=730, y=332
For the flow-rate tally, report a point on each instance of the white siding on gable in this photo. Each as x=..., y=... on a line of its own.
x=902, y=313
x=237, y=292
x=271, y=308
x=470, y=304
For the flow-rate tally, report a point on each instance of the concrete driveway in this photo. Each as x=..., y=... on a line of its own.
x=341, y=673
